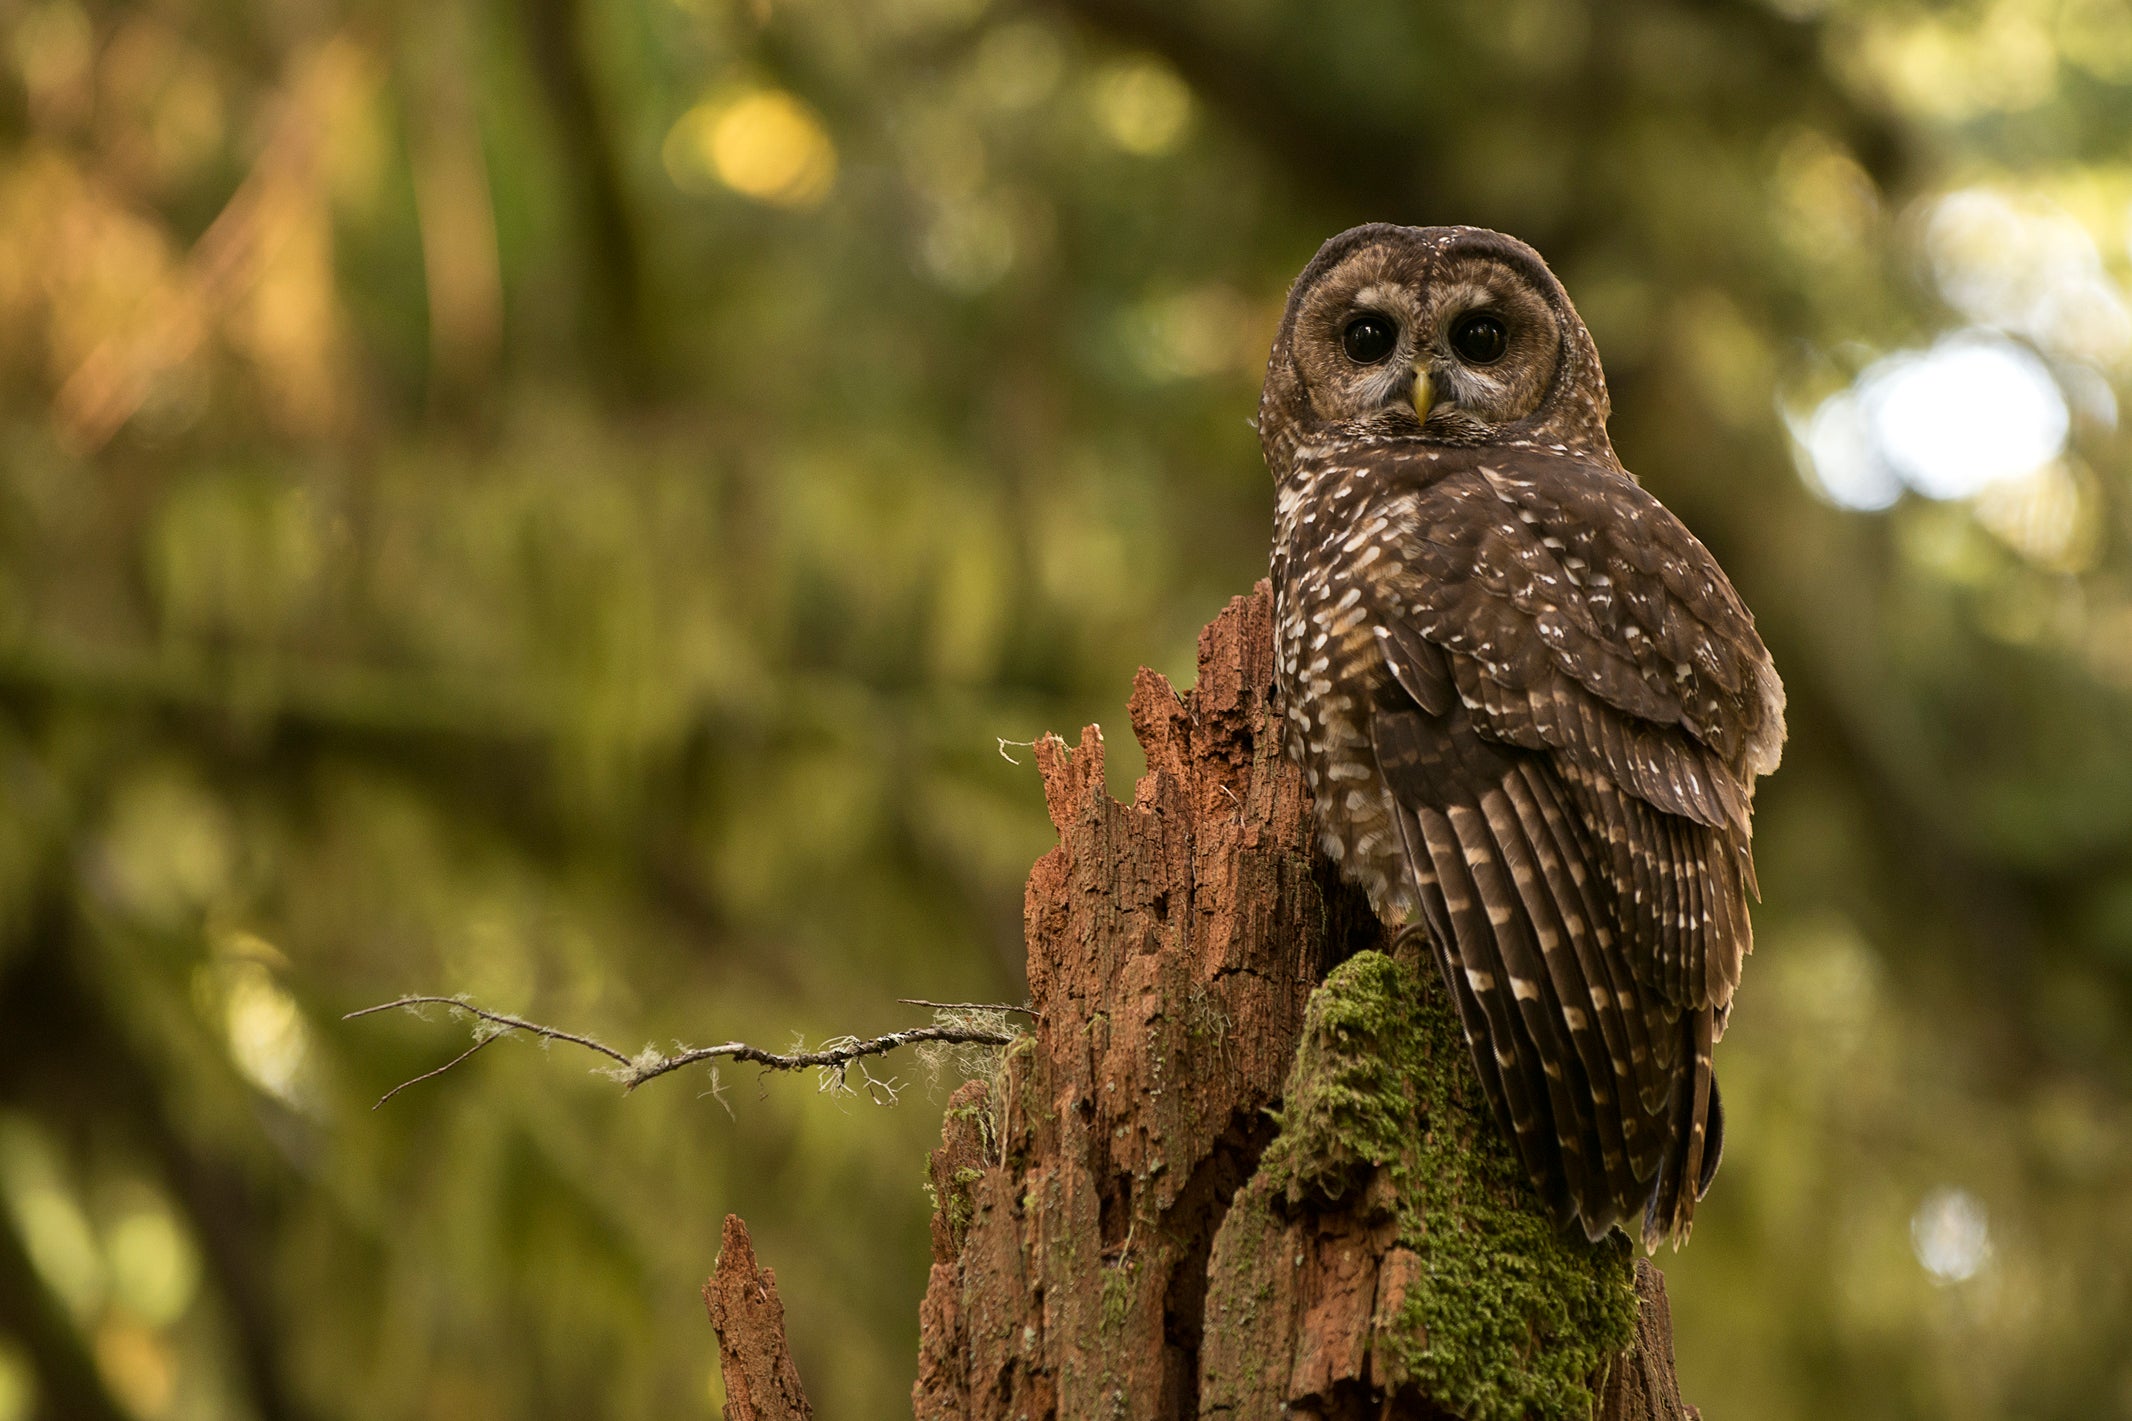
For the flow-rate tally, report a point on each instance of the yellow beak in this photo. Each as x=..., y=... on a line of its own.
x=1424, y=394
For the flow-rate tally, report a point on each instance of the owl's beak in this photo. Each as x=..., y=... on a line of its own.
x=1424, y=394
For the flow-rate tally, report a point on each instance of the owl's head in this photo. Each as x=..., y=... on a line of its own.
x=1455, y=334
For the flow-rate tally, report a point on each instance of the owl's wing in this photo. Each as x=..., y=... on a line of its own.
x=1604, y=1082
x=1573, y=784
x=1645, y=587
x=1577, y=617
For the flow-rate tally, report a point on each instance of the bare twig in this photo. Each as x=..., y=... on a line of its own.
x=426, y=1075
x=833, y=1058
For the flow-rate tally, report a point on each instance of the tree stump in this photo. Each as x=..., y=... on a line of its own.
x=1242, y=1167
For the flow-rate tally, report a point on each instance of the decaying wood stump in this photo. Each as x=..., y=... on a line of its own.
x=761, y=1384
x=1241, y=1167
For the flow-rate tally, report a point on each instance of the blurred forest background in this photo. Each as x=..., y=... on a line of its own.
x=559, y=500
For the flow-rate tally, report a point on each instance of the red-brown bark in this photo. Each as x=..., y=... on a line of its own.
x=761, y=1384
x=1174, y=944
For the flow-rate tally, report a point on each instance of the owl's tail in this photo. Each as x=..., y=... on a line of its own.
x=1698, y=1138
x=1603, y=1079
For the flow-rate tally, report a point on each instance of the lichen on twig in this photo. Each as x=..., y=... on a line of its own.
x=956, y=1027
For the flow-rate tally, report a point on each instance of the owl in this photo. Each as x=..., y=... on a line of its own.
x=1530, y=706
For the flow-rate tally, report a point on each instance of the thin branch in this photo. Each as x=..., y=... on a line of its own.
x=427, y=1075
x=506, y=1022
x=833, y=1058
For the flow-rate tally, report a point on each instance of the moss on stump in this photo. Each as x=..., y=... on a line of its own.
x=1389, y=1242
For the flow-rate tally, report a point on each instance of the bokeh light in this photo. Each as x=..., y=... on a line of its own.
x=1142, y=106
x=55, y=1228
x=268, y=1038
x=1951, y=1235
x=1189, y=335
x=970, y=243
x=1018, y=65
x=155, y=1270
x=763, y=144
x=2051, y=517
x=1973, y=411
x=2028, y=269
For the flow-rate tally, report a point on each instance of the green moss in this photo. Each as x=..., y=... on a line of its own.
x=1117, y=1293
x=958, y=1208
x=1506, y=1316
x=961, y=1209
x=983, y=1112
x=1350, y=1106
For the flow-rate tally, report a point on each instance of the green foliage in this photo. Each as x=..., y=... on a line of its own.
x=562, y=502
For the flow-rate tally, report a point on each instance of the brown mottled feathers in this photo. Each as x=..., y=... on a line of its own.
x=1578, y=850
x=1532, y=710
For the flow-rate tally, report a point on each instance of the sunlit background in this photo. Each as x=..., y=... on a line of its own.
x=561, y=501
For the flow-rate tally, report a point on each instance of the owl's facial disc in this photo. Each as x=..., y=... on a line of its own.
x=1455, y=339
x=1451, y=334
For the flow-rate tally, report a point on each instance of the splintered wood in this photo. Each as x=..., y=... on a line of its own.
x=1172, y=945
x=761, y=1384
x=1114, y=1176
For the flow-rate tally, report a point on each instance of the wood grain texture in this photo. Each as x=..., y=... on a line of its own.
x=761, y=1384
x=1174, y=947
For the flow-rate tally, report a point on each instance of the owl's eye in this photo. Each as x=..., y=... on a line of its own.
x=1369, y=339
x=1479, y=340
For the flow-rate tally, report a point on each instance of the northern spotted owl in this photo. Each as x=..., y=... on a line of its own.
x=1530, y=706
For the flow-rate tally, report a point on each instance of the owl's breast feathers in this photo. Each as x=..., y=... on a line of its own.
x=1531, y=707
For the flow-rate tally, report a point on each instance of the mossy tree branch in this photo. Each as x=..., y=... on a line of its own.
x=975, y=1024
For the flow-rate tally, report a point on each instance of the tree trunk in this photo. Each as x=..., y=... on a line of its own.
x=1242, y=1167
